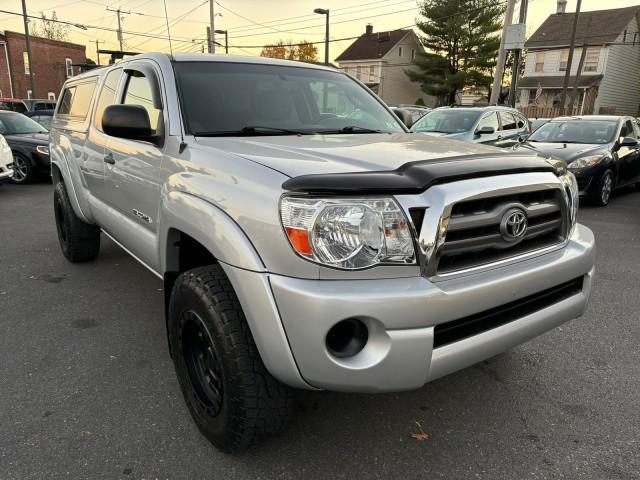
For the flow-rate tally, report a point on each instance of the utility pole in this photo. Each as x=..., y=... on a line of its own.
x=574, y=91
x=119, y=12
x=98, y=51
x=212, y=27
x=524, y=5
x=496, y=89
x=28, y=40
x=567, y=73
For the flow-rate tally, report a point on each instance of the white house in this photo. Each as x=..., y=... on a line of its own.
x=380, y=59
x=610, y=78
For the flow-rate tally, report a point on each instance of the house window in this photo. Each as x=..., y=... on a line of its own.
x=358, y=71
x=51, y=96
x=69, y=67
x=592, y=59
x=399, y=51
x=564, y=59
x=539, y=62
x=413, y=54
x=29, y=94
x=27, y=66
x=372, y=73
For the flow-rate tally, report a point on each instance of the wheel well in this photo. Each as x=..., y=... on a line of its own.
x=55, y=174
x=183, y=253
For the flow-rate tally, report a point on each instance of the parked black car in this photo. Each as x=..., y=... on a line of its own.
x=29, y=142
x=43, y=117
x=602, y=151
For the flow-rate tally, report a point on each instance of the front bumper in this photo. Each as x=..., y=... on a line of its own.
x=6, y=174
x=401, y=315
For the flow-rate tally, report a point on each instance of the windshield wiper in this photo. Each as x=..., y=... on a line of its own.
x=351, y=129
x=250, y=130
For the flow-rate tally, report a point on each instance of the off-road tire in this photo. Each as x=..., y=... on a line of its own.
x=250, y=405
x=26, y=173
x=598, y=195
x=79, y=241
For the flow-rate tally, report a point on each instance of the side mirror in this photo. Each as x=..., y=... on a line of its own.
x=404, y=116
x=486, y=131
x=129, y=121
x=523, y=137
x=628, y=142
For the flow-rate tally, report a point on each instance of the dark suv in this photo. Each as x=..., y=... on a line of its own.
x=499, y=126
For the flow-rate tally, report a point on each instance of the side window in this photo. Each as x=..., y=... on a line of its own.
x=138, y=92
x=508, y=122
x=107, y=96
x=627, y=130
x=522, y=123
x=81, y=101
x=490, y=120
x=64, y=106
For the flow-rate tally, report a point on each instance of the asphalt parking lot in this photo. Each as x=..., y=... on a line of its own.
x=87, y=388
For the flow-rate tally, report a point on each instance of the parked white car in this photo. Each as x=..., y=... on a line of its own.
x=6, y=161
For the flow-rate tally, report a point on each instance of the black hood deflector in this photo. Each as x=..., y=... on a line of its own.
x=416, y=177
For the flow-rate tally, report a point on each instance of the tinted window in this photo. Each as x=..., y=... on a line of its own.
x=627, y=129
x=222, y=97
x=508, y=121
x=65, y=101
x=81, y=101
x=576, y=131
x=447, y=121
x=107, y=96
x=491, y=120
x=139, y=92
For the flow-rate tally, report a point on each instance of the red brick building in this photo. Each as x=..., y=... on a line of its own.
x=52, y=64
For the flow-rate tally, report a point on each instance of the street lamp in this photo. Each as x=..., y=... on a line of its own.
x=226, y=39
x=325, y=11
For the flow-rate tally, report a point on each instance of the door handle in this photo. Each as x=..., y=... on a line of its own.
x=108, y=158
x=499, y=137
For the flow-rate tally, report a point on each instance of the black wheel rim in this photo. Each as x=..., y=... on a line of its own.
x=20, y=169
x=62, y=228
x=202, y=363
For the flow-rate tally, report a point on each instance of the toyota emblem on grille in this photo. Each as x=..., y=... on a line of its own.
x=513, y=226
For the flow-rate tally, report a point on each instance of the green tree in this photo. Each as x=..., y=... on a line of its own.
x=461, y=38
x=50, y=28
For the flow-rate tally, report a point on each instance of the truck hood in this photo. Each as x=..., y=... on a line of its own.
x=321, y=154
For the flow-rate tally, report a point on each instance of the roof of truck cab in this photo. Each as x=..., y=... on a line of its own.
x=206, y=57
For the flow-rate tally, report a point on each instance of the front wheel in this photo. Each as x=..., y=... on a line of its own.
x=22, y=169
x=231, y=396
x=604, y=187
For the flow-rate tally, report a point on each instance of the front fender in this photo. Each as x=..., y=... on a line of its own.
x=210, y=226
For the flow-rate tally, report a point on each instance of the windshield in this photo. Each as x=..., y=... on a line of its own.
x=13, y=123
x=238, y=98
x=447, y=121
x=576, y=131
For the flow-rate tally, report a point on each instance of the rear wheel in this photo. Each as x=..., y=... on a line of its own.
x=604, y=187
x=79, y=241
x=22, y=169
x=231, y=396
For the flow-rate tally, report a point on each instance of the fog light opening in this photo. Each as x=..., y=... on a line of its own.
x=347, y=338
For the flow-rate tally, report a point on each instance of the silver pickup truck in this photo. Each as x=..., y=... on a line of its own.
x=305, y=239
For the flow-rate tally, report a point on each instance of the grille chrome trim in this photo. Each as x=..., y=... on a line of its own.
x=439, y=200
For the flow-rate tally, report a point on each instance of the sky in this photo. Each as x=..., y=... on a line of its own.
x=250, y=23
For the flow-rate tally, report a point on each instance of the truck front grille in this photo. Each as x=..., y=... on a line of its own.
x=455, y=330
x=474, y=235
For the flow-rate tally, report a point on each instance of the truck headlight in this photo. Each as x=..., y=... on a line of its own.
x=571, y=186
x=42, y=149
x=585, y=162
x=348, y=233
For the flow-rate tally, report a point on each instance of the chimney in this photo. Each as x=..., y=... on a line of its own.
x=562, y=7
x=369, y=29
